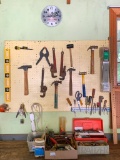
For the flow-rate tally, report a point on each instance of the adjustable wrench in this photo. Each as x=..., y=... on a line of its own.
x=53, y=68
x=62, y=69
x=43, y=87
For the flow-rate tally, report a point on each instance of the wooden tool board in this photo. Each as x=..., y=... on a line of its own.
x=81, y=62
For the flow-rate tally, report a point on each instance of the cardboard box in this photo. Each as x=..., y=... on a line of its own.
x=101, y=149
x=61, y=150
x=71, y=154
x=88, y=129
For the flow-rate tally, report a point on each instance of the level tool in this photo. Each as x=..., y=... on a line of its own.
x=105, y=83
x=7, y=76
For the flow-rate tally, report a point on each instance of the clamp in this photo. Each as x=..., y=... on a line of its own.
x=21, y=111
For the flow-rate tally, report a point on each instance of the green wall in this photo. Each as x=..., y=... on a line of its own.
x=21, y=20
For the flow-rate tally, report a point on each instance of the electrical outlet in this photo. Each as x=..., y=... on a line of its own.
x=22, y=121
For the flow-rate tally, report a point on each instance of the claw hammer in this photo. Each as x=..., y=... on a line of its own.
x=92, y=58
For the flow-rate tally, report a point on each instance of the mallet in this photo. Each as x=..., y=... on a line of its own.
x=69, y=46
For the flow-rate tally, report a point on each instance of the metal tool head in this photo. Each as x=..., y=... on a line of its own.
x=56, y=83
x=92, y=47
x=25, y=67
x=70, y=46
x=71, y=69
x=82, y=73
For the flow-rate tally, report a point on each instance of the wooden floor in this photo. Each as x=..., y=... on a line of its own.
x=18, y=150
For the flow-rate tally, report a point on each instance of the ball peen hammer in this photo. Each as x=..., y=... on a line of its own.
x=92, y=58
x=69, y=46
x=25, y=68
x=83, y=83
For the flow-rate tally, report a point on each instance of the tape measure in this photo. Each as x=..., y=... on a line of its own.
x=7, y=76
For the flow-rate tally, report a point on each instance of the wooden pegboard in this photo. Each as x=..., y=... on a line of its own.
x=81, y=62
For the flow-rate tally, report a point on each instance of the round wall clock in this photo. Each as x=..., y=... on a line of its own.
x=51, y=16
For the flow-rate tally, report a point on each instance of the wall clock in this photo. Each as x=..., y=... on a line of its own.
x=51, y=16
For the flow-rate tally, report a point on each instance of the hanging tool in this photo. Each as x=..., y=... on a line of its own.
x=83, y=83
x=21, y=111
x=94, y=107
x=86, y=103
x=62, y=69
x=25, y=68
x=70, y=80
x=105, y=107
x=53, y=67
x=42, y=54
x=93, y=95
x=78, y=96
x=69, y=102
x=69, y=46
x=56, y=93
x=90, y=103
x=105, y=67
x=92, y=58
x=100, y=101
x=24, y=47
x=43, y=87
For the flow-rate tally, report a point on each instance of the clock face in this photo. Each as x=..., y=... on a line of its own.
x=51, y=16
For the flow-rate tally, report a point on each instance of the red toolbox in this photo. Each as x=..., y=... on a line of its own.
x=88, y=129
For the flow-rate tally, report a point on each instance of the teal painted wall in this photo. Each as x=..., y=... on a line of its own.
x=21, y=20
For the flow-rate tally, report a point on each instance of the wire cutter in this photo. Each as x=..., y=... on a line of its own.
x=78, y=96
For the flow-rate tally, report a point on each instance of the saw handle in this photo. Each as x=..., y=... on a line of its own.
x=26, y=90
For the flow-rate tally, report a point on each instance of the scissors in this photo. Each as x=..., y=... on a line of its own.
x=78, y=96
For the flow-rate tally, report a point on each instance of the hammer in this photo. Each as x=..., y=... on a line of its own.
x=56, y=93
x=70, y=80
x=69, y=46
x=25, y=68
x=92, y=58
x=83, y=83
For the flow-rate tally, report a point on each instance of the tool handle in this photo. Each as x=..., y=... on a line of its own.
x=54, y=61
x=92, y=62
x=69, y=102
x=93, y=93
x=26, y=90
x=84, y=90
x=71, y=61
x=56, y=97
x=70, y=84
x=61, y=63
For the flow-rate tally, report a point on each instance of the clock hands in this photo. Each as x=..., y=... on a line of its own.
x=55, y=14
